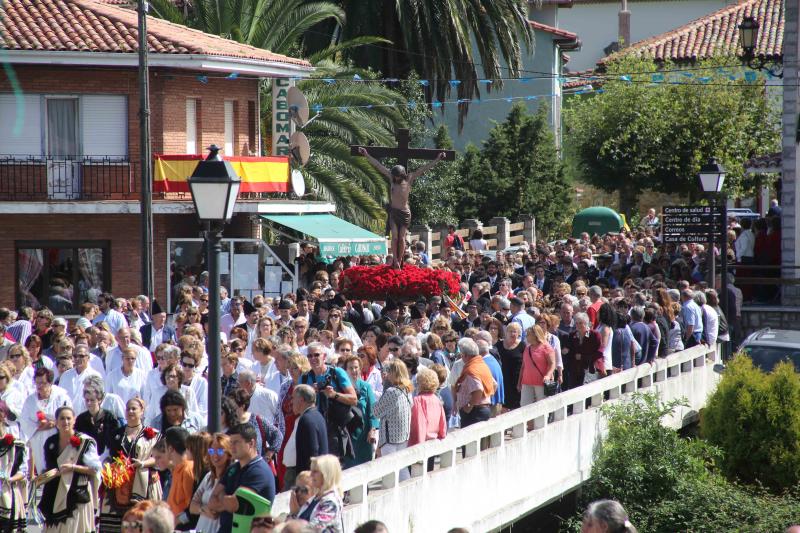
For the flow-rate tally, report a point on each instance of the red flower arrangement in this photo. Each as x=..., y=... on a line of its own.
x=8, y=439
x=40, y=416
x=75, y=441
x=149, y=433
x=383, y=282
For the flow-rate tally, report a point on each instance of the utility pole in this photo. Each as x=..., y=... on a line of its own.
x=145, y=158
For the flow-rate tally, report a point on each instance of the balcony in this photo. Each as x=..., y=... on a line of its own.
x=47, y=178
x=30, y=178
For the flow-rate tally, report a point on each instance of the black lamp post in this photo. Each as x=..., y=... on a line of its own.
x=712, y=178
x=748, y=40
x=214, y=186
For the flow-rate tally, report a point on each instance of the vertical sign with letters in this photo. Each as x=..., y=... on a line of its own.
x=282, y=125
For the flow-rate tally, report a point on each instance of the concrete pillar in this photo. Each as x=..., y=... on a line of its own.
x=503, y=231
x=791, y=108
x=471, y=224
x=529, y=231
x=425, y=236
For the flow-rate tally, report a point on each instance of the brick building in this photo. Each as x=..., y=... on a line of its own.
x=69, y=144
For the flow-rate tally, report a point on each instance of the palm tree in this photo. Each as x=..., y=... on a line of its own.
x=357, y=190
x=440, y=40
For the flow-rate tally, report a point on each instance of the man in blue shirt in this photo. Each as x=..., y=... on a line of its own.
x=250, y=471
x=692, y=318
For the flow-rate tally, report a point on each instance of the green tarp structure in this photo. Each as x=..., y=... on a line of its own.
x=600, y=220
x=336, y=237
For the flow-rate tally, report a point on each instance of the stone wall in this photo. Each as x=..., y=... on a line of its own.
x=755, y=318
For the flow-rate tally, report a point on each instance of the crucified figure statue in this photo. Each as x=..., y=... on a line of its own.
x=400, y=183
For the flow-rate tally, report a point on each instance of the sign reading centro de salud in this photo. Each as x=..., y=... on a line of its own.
x=281, y=120
x=686, y=224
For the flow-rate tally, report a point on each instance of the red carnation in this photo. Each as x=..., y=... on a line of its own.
x=40, y=416
x=149, y=433
x=8, y=439
x=75, y=441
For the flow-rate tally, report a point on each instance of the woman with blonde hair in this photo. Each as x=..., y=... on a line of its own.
x=15, y=390
x=394, y=410
x=265, y=327
x=538, y=365
x=297, y=365
x=428, y=420
x=326, y=476
x=218, y=456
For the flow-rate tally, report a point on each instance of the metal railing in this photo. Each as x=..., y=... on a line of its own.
x=46, y=178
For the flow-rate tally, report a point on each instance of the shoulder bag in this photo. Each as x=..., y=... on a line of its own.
x=550, y=385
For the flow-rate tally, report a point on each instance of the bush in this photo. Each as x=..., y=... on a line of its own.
x=754, y=418
x=667, y=483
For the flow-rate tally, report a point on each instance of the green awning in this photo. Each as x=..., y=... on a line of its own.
x=336, y=237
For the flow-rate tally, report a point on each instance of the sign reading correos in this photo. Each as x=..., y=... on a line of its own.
x=281, y=121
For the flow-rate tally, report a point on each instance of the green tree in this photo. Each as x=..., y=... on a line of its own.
x=647, y=131
x=668, y=483
x=755, y=419
x=440, y=40
x=517, y=171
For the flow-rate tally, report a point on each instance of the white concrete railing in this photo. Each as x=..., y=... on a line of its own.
x=521, y=469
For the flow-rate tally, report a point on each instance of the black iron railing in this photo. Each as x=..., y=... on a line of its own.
x=51, y=178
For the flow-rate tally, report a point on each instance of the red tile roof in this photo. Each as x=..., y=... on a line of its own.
x=92, y=26
x=762, y=164
x=558, y=32
x=716, y=34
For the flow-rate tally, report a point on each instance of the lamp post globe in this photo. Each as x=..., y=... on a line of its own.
x=712, y=176
x=214, y=186
x=748, y=33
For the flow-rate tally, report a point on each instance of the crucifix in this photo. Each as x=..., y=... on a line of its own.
x=400, y=182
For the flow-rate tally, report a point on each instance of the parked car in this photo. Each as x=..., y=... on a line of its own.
x=742, y=212
x=767, y=347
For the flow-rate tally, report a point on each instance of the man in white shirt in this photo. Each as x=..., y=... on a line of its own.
x=127, y=381
x=195, y=381
x=109, y=313
x=234, y=318
x=745, y=243
x=72, y=380
x=114, y=357
x=263, y=402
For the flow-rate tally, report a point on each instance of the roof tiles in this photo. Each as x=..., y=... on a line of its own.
x=92, y=26
x=715, y=34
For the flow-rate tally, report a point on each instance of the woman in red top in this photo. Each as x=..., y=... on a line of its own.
x=538, y=365
x=297, y=365
x=427, y=412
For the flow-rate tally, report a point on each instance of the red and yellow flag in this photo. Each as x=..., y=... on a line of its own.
x=259, y=174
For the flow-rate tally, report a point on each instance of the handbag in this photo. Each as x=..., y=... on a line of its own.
x=550, y=385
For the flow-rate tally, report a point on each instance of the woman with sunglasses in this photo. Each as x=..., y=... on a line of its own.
x=339, y=328
x=303, y=493
x=12, y=392
x=219, y=458
x=132, y=521
x=136, y=441
x=172, y=378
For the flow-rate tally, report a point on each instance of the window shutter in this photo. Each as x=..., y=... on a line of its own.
x=105, y=125
x=26, y=140
x=191, y=126
x=228, y=127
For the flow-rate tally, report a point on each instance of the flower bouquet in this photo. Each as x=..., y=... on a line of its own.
x=118, y=472
x=383, y=282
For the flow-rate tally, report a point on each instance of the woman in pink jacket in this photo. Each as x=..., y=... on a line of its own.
x=428, y=421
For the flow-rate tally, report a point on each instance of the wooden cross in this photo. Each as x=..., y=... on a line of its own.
x=403, y=152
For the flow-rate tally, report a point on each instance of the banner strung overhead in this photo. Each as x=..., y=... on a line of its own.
x=259, y=174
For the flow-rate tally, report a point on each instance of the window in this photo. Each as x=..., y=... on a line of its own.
x=64, y=126
x=61, y=275
x=191, y=126
x=229, y=133
x=252, y=128
x=21, y=134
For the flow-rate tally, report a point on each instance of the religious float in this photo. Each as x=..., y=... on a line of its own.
x=406, y=284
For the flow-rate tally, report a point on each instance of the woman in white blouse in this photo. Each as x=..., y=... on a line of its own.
x=394, y=410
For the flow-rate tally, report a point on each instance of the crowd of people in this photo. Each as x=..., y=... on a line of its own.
x=315, y=382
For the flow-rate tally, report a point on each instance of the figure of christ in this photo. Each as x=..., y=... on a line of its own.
x=400, y=183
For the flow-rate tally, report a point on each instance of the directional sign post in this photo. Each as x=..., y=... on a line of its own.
x=686, y=224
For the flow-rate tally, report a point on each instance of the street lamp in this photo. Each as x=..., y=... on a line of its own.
x=748, y=40
x=214, y=186
x=712, y=178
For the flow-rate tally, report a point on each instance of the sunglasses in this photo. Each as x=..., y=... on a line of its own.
x=263, y=521
x=132, y=525
x=300, y=490
x=216, y=451
x=240, y=349
x=314, y=355
x=188, y=365
x=15, y=356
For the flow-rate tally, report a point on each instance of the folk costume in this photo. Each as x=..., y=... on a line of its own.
x=13, y=461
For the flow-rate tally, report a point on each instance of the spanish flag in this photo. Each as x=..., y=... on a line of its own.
x=259, y=174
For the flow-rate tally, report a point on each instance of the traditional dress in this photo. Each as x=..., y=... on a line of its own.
x=30, y=421
x=68, y=500
x=143, y=486
x=13, y=460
